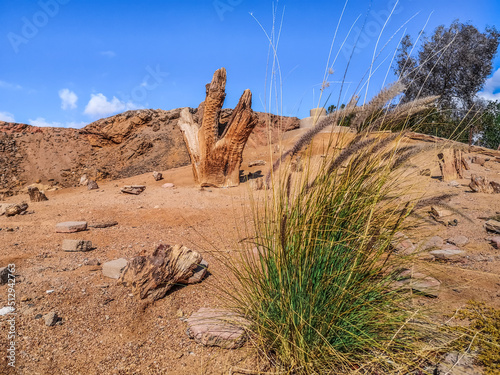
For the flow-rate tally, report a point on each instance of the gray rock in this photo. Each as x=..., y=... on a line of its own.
x=114, y=268
x=51, y=319
x=76, y=245
x=4, y=275
x=493, y=226
x=71, y=226
x=84, y=180
x=433, y=243
x=419, y=282
x=458, y=240
x=92, y=185
x=448, y=254
x=405, y=247
x=157, y=176
x=215, y=327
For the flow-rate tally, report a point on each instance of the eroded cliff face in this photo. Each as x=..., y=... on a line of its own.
x=130, y=143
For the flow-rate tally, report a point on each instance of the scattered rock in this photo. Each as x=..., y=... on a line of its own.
x=36, y=195
x=433, y=243
x=114, y=268
x=154, y=275
x=493, y=226
x=215, y=327
x=256, y=163
x=51, y=319
x=71, y=227
x=168, y=185
x=16, y=209
x=448, y=254
x=76, y=245
x=105, y=224
x=458, y=364
x=257, y=183
x=91, y=262
x=479, y=160
x=3, y=207
x=495, y=186
x=458, y=241
x=454, y=184
x=495, y=241
x=157, y=176
x=439, y=213
x=92, y=185
x=4, y=275
x=405, y=247
x=133, y=189
x=199, y=273
x=84, y=180
x=425, y=172
x=419, y=282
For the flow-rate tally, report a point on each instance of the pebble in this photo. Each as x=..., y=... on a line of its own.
x=168, y=185
x=71, y=226
x=458, y=240
x=114, y=268
x=448, y=254
x=51, y=319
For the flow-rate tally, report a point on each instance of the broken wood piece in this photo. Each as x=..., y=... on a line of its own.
x=36, y=195
x=133, y=189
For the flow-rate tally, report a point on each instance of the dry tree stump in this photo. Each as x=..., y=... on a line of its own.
x=216, y=159
x=36, y=195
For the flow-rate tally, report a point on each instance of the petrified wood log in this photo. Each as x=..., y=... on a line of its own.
x=153, y=276
x=216, y=159
x=480, y=184
x=452, y=164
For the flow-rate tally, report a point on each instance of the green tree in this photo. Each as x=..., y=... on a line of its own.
x=490, y=126
x=454, y=64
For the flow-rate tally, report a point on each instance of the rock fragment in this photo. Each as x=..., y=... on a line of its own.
x=92, y=185
x=458, y=241
x=256, y=163
x=168, y=185
x=51, y=319
x=16, y=209
x=71, y=227
x=495, y=241
x=4, y=275
x=199, y=273
x=450, y=255
x=84, y=180
x=493, y=226
x=419, y=282
x=114, y=268
x=439, y=212
x=36, y=195
x=157, y=176
x=76, y=245
x=215, y=327
x=104, y=224
x=133, y=189
x=433, y=243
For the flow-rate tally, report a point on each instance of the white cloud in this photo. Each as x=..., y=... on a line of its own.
x=109, y=54
x=6, y=116
x=76, y=125
x=41, y=122
x=99, y=105
x=12, y=86
x=68, y=99
x=491, y=89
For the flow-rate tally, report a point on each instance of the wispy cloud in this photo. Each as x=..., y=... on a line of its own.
x=99, y=105
x=6, y=116
x=41, y=122
x=68, y=99
x=11, y=86
x=109, y=54
x=491, y=89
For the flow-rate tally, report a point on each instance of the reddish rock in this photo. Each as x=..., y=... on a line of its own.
x=71, y=227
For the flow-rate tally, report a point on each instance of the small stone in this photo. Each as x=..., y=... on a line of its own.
x=453, y=184
x=215, y=327
x=84, y=180
x=71, y=227
x=51, y=319
x=92, y=262
x=448, y=254
x=199, y=273
x=36, y=195
x=433, y=243
x=256, y=163
x=76, y=245
x=114, y=268
x=495, y=241
x=417, y=281
x=438, y=212
x=92, y=185
x=493, y=226
x=458, y=241
x=50, y=291
x=405, y=247
x=133, y=189
x=157, y=176
x=16, y=209
x=4, y=275
x=104, y=224
x=168, y=185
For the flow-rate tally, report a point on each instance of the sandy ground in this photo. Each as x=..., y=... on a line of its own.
x=106, y=331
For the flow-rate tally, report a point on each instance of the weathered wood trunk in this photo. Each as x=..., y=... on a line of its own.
x=151, y=277
x=216, y=160
x=36, y=195
x=452, y=164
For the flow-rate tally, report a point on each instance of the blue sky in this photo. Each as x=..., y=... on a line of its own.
x=70, y=62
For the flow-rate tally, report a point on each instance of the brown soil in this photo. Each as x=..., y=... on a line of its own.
x=106, y=331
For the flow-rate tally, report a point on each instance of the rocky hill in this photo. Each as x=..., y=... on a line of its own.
x=125, y=145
